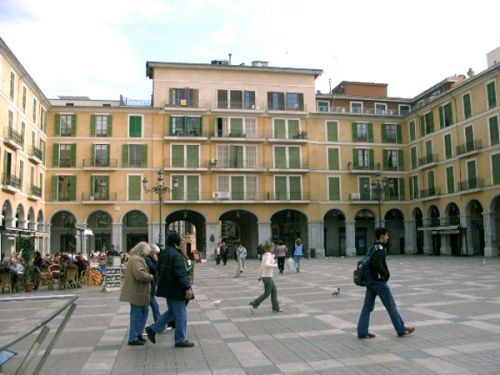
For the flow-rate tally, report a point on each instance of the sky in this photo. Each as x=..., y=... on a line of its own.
x=99, y=48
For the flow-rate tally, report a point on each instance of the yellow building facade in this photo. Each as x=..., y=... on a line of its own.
x=255, y=153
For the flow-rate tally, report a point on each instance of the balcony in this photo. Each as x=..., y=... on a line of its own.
x=194, y=134
x=36, y=155
x=183, y=165
x=236, y=165
x=301, y=166
x=98, y=198
x=35, y=193
x=65, y=163
x=428, y=161
x=100, y=164
x=364, y=169
x=13, y=138
x=11, y=183
x=300, y=137
x=367, y=111
x=430, y=194
x=242, y=197
x=468, y=148
x=238, y=137
x=238, y=106
x=471, y=185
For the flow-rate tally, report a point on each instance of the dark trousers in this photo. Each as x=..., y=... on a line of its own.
x=281, y=264
x=223, y=254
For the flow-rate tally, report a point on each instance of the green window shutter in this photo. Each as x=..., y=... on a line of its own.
x=355, y=159
x=177, y=156
x=333, y=159
x=134, y=188
x=430, y=180
x=280, y=187
x=371, y=159
x=412, y=131
x=295, y=192
x=449, y=113
x=280, y=157
x=279, y=129
x=447, y=146
x=385, y=162
x=57, y=120
x=450, y=180
x=495, y=166
x=364, y=188
x=354, y=132
x=236, y=153
x=73, y=125
x=72, y=188
x=441, y=117
x=125, y=156
x=332, y=131
x=108, y=151
x=294, y=157
x=144, y=161
x=135, y=126
x=471, y=173
x=402, y=189
x=334, y=188
x=399, y=136
x=492, y=95
x=110, y=126
x=413, y=158
x=467, y=106
x=384, y=136
x=370, y=132
x=431, y=122
x=92, y=125
x=192, y=188
x=411, y=187
x=428, y=150
x=237, y=192
x=422, y=126
x=92, y=154
x=293, y=129
x=401, y=161
x=192, y=156
x=236, y=127
x=494, y=131
x=53, y=187
x=92, y=185
x=55, y=155
x=178, y=194
x=73, y=155
x=469, y=138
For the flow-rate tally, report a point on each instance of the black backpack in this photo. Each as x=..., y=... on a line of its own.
x=362, y=275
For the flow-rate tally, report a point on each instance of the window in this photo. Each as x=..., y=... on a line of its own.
x=287, y=129
x=294, y=101
x=404, y=109
x=239, y=187
x=276, y=101
x=426, y=124
x=12, y=85
x=66, y=124
x=491, y=92
x=471, y=174
x=447, y=147
x=184, y=97
x=236, y=99
x=494, y=130
x=135, y=156
x=428, y=152
x=101, y=156
x=187, y=189
x=450, y=180
x=43, y=123
x=467, y=105
x=99, y=187
x=323, y=106
x=21, y=173
x=356, y=107
x=469, y=138
x=414, y=187
x=134, y=188
x=413, y=156
x=420, y=103
x=333, y=159
x=236, y=156
x=288, y=187
x=430, y=184
x=393, y=160
x=287, y=157
x=380, y=108
x=495, y=168
x=445, y=115
x=334, y=188
x=185, y=156
x=394, y=189
x=391, y=133
x=413, y=133
x=362, y=132
x=236, y=127
x=23, y=104
x=332, y=131
x=185, y=126
x=64, y=188
x=35, y=110
x=11, y=119
x=363, y=159
x=64, y=155
x=100, y=125
x=135, y=126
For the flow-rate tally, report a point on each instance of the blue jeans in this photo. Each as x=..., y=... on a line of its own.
x=155, y=308
x=296, y=258
x=177, y=310
x=381, y=289
x=138, y=318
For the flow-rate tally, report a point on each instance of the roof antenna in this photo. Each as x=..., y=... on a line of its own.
x=230, y=58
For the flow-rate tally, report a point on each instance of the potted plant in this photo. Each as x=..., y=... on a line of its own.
x=27, y=247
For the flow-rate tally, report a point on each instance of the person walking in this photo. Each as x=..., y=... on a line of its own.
x=174, y=285
x=136, y=291
x=281, y=255
x=298, y=253
x=223, y=252
x=378, y=287
x=266, y=275
x=152, y=263
x=241, y=254
x=217, y=253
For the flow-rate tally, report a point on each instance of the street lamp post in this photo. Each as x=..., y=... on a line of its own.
x=378, y=188
x=159, y=189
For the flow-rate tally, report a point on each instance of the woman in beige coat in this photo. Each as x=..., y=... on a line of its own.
x=136, y=290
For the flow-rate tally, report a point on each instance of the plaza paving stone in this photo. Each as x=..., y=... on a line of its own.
x=454, y=303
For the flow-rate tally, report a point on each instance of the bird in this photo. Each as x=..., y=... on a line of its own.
x=336, y=292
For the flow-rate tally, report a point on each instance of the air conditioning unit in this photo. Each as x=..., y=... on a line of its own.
x=356, y=196
x=221, y=195
x=184, y=102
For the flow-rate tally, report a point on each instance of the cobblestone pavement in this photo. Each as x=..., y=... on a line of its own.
x=454, y=303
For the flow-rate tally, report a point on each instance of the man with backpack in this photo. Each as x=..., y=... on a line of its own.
x=377, y=286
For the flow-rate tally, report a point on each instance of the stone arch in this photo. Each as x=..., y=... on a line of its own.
x=240, y=224
x=418, y=218
x=39, y=221
x=191, y=225
x=434, y=218
x=135, y=226
x=31, y=219
x=288, y=225
x=100, y=222
x=394, y=222
x=475, y=227
x=335, y=232
x=7, y=214
x=20, y=216
x=63, y=232
x=364, y=230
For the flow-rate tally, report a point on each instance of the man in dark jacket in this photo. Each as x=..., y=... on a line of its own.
x=378, y=287
x=174, y=285
x=152, y=263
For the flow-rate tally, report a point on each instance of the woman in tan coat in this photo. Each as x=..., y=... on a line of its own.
x=136, y=290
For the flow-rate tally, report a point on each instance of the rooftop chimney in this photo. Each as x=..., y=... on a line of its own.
x=470, y=73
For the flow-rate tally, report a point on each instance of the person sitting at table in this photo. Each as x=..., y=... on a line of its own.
x=5, y=266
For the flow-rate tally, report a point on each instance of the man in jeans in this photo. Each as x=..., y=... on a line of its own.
x=378, y=287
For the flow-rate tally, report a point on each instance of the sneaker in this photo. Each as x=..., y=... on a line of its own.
x=369, y=335
x=151, y=334
x=185, y=344
x=277, y=311
x=407, y=331
x=136, y=343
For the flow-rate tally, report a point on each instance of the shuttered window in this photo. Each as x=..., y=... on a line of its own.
x=177, y=156
x=333, y=159
x=469, y=139
x=413, y=154
x=237, y=185
x=192, y=188
x=280, y=186
x=135, y=126
x=192, y=156
x=495, y=167
x=430, y=183
x=334, y=188
x=332, y=128
x=294, y=157
x=494, y=130
x=280, y=157
x=467, y=105
x=413, y=133
x=450, y=180
x=134, y=188
x=447, y=146
x=471, y=174
x=492, y=95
